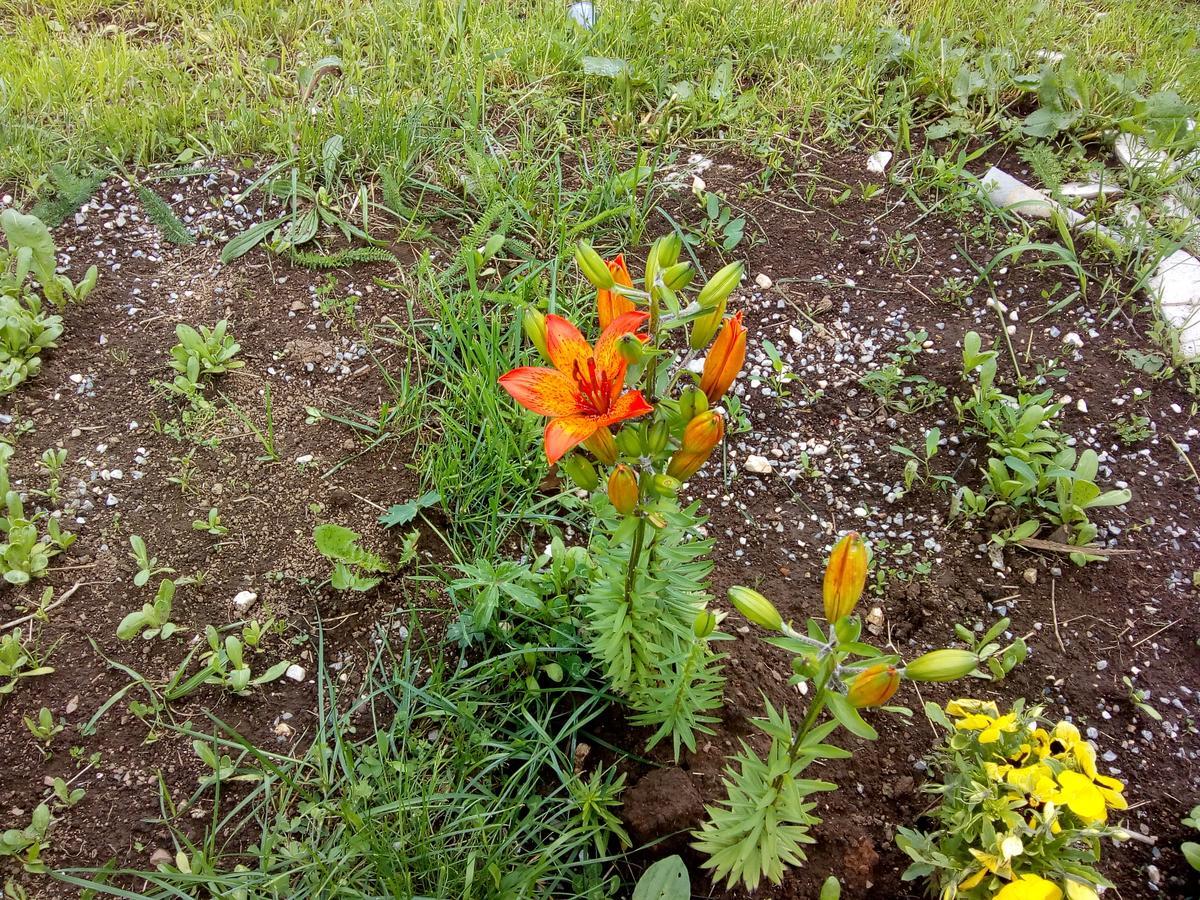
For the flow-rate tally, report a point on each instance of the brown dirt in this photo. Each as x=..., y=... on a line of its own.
x=1087, y=627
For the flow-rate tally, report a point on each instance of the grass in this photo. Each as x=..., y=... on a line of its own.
x=426, y=783
x=224, y=77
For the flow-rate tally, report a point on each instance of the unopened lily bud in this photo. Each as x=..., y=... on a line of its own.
x=705, y=624
x=631, y=349
x=665, y=485
x=602, y=446
x=720, y=286
x=678, y=276
x=609, y=303
x=629, y=440
x=623, y=490
x=845, y=577
x=713, y=298
x=941, y=665
x=657, y=437
x=581, y=471
x=703, y=432
x=755, y=607
x=593, y=267
x=705, y=327
x=664, y=253
x=533, y=322
x=725, y=359
x=700, y=436
x=873, y=686
x=692, y=402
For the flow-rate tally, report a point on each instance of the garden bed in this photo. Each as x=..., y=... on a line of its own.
x=851, y=276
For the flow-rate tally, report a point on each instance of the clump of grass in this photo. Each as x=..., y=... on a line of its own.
x=414, y=786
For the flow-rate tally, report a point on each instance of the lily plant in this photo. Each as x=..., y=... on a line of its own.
x=628, y=424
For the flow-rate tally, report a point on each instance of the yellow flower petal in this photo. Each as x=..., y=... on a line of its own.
x=1082, y=797
x=1029, y=887
x=1077, y=890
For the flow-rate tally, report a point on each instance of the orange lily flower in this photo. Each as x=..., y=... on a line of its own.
x=610, y=304
x=725, y=359
x=583, y=392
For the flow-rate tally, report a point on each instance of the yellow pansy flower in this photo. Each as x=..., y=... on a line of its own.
x=989, y=727
x=1029, y=887
x=968, y=707
x=1111, y=790
x=1081, y=796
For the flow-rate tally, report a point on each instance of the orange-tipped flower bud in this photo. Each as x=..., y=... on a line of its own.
x=610, y=304
x=755, y=607
x=631, y=349
x=725, y=359
x=874, y=686
x=533, y=321
x=700, y=436
x=845, y=576
x=623, y=489
x=602, y=446
x=941, y=665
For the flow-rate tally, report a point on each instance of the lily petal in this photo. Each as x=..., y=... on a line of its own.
x=610, y=304
x=547, y=392
x=608, y=357
x=566, y=346
x=565, y=433
x=629, y=405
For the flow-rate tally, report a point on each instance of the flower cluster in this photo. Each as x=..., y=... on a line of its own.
x=762, y=825
x=632, y=405
x=1022, y=808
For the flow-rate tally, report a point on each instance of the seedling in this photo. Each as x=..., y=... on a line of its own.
x=28, y=843
x=1140, y=698
x=354, y=568
x=212, y=524
x=223, y=767
x=228, y=668
x=52, y=462
x=996, y=660
x=919, y=465
x=153, y=619
x=65, y=795
x=44, y=728
x=148, y=566
x=781, y=374
x=18, y=661
x=209, y=351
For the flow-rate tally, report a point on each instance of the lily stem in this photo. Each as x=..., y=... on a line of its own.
x=635, y=555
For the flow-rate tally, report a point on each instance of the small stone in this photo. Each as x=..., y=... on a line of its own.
x=1030, y=575
x=759, y=465
x=244, y=600
x=1081, y=405
x=161, y=857
x=878, y=161
x=295, y=672
x=763, y=280
x=304, y=459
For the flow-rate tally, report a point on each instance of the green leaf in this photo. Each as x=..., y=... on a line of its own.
x=1191, y=852
x=848, y=716
x=403, y=513
x=667, y=879
x=831, y=889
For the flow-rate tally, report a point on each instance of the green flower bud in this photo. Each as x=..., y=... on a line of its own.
x=755, y=607
x=581, y=471
x=941, y=665
x=705, y=624
x=593, y=266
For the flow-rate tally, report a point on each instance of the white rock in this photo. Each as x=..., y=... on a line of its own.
x=878, y=161
x=583, y=13
x=1175, y=285
x=763, y=280
x=295, y=672
x=1073, y=339
x=245, y=599
x=1081, y=405
x=304, y=459
x=759, y=465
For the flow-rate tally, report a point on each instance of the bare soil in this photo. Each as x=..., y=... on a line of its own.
x=844, y=290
